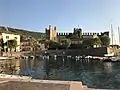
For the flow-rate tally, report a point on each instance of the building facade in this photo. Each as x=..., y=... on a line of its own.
x=6, y=37
x=51, y=33
x=26, y=45
x=78, y=36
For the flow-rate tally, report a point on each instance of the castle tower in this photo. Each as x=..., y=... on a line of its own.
x=78, y=31
x=51, y=33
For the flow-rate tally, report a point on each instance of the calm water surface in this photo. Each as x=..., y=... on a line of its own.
x=94, y=74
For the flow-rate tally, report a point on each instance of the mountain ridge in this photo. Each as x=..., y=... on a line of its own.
x=22, y=32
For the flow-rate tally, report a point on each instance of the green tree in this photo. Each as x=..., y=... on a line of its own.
x=11, y=44
x=87, y=43
x=54, y=45
x=91, y=42
x=96, y=41
x=50, y=44
x=105, y=40
x=65, y=43
x=77, y=46
x=0, y=44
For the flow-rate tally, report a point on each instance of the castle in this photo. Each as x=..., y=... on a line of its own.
x=51, y=34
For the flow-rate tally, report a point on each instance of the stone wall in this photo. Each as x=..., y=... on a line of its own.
x=45, y=85
x=15, y=82
x=96, y=51
x=100, y=51
x=91, y=51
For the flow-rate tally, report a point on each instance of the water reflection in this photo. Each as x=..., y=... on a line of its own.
x=107, y=67
x=95, y=74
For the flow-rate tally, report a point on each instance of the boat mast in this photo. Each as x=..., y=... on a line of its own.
x=119, y=34
x=112, y=34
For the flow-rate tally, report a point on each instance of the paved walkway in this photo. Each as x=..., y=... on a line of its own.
x=40, y=85
x=14, y=82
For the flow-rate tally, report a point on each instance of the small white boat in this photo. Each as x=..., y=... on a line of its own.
x=88, y=57
x=115, y=58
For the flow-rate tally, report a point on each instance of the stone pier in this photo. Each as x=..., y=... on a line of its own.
x=10, y=82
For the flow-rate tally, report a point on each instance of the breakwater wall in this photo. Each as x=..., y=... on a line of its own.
x=10, y=82
x=101, y=51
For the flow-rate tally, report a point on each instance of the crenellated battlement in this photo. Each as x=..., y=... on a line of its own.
x=90, y=33
x=85, y=33
x=62, y=34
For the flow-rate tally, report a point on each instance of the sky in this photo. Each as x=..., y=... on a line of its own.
x=36, y=15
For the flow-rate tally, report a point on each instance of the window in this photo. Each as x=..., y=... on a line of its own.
x=15, y=37
x=7, y=37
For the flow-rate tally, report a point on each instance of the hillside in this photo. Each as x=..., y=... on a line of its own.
x=26, y=33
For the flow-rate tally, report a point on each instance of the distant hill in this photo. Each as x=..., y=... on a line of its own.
x=23, y=33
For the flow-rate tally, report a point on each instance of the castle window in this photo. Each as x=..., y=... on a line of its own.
x=15, y=37
x=7, y=37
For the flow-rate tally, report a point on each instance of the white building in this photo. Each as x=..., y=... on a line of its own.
x=6, y=37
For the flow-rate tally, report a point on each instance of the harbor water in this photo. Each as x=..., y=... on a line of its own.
x=93, y=73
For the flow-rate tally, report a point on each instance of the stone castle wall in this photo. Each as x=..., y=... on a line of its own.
x=51, y=33
x=91, y=51
x=86, y=33
x=101, y=51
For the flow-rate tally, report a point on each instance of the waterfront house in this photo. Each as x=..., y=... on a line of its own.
x=26, y=45
x=8, y=36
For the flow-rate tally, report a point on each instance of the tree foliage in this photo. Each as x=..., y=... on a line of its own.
x=91, y=42
x=65, y=43
x=96, y=41
x=87, y=43
x=105, y=40
x=11, y=44
x=76, y=46
x=54, y=45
